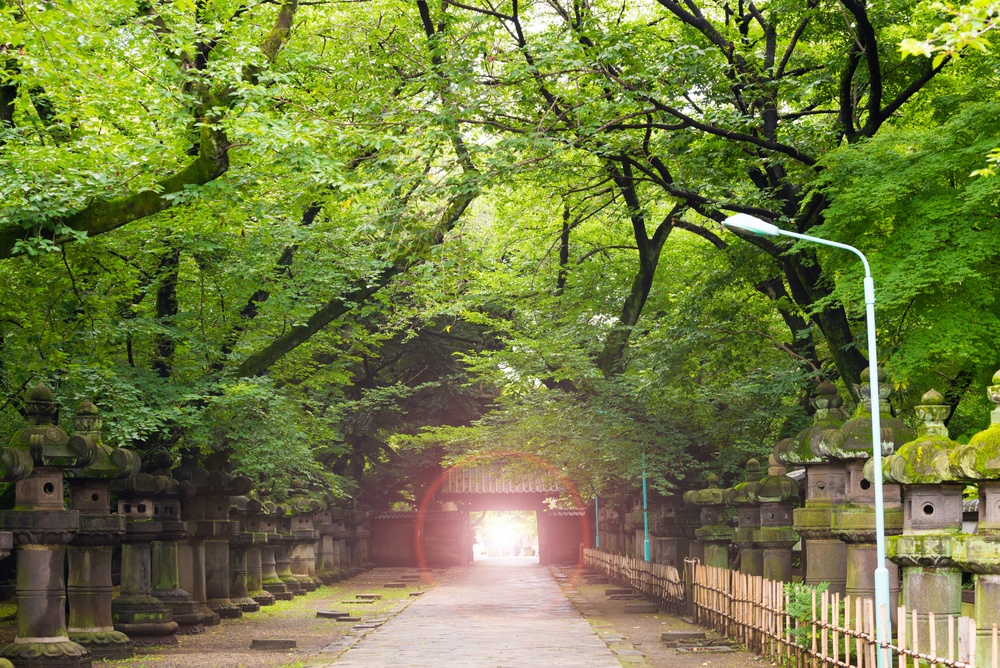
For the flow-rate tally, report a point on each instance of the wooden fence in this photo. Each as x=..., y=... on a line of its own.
x=796, y=626
x=657, y=582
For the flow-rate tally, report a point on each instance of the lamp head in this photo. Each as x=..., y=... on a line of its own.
x=748, y=223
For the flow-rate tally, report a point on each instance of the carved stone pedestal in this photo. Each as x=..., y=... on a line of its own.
x=137, y=613
x=89, y=587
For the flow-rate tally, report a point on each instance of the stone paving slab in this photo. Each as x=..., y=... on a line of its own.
x=495, y=613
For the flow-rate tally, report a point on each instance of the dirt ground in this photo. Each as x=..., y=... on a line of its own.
x=228, y=645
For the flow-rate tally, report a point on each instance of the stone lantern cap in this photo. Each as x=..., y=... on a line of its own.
x=43, y=441
x=301, y=502
x=740, y=493
x=853, y=440
x=776, y=486
x=709, y=496
x=980, y=458
x=108, y=462
x=829, y=415
x=190, y=470
x=924, y=460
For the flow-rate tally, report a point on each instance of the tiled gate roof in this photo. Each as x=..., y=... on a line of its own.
x=494, y=480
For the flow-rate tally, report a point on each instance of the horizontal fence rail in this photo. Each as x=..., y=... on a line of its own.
x=795, y=625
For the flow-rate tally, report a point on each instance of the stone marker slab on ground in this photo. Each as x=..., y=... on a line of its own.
x=641, y=607
x=618, y=591
x=373, y=597
x=330, y=614
x=416, y=593
x=682, y=636
x=395, y=585
x=272, y=644
x=348, y=619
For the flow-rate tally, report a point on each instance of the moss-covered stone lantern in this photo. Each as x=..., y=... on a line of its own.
x=853, y=521
x=979, y=462
x=776, y=493
x=714, y=534
x=932, y=518
x=42, y=528
x=89, y=587
x=824, y=555
x=747, y=519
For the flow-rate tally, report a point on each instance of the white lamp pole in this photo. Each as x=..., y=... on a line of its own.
x=883, y=630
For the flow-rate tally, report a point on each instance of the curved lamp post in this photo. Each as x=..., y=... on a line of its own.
x=883, y=630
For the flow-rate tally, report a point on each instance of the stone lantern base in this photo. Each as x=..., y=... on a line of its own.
x=145, y=620
x=53, y=654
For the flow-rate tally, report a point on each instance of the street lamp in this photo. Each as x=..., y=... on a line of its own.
x=883, y=630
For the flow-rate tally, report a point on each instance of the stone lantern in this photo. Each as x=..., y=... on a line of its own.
x=339, y=533
x=299, y=522
x=824, y=555
x=932, y=518
x=327, y=569
x=145, y=619
x=89, y=586
x=747, y=519
x=167, y=508
x=191, y=548
x=853, y=520
x=238, y=550
x=259, y=527
x=42, y=527
x=776, y=493
x=267, y=521
x=285, y=542
x=714, y=534
x=668, y=542
x=218, y=531
x=979, y=462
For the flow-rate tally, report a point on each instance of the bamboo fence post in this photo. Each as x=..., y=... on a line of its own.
x=870, y=630
x=786, y=624
x=932, y=638
x=951, y=637
x=972, y=642
x=901, y=634
x=858, y=626
x=993, y=652
x=776, y=626
x=914, y=638
x=824, y=618
x=836, y=628
x=812, y=628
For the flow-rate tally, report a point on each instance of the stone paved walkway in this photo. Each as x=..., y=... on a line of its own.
x=496, y=613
